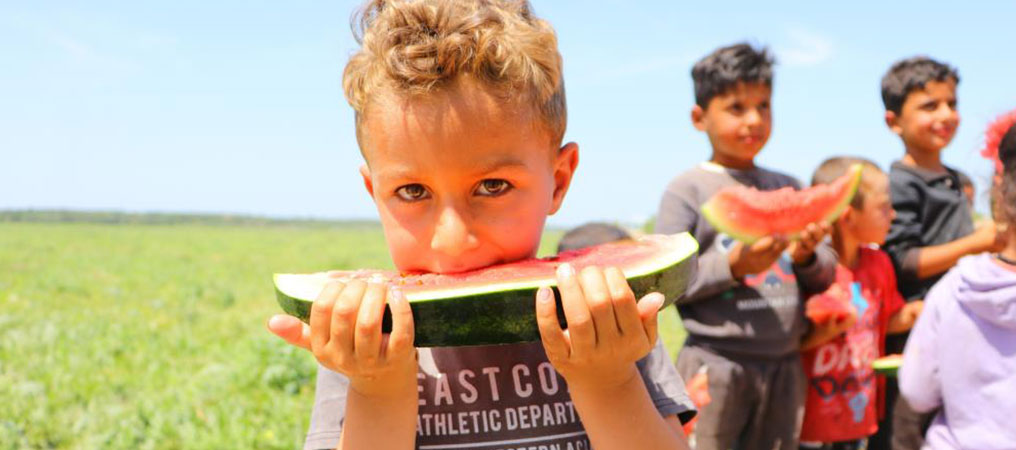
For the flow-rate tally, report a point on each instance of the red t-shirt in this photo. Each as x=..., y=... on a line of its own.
x=843, y=391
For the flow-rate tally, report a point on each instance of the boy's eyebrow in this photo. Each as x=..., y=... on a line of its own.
x=502, y=162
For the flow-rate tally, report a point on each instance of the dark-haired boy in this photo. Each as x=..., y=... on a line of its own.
x=743, y=311
x=933, y=227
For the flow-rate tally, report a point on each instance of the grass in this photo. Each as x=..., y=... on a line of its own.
x=151, y=336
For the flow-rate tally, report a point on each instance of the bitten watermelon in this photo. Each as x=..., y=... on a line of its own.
x=748, y=214
x=833, y=304
x=888, y=365
x=496, y=305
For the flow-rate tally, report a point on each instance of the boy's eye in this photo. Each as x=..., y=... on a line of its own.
x=493, y=187
x=412, y=192
x=736, y=108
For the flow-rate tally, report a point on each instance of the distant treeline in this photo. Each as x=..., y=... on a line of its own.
x=119, y=217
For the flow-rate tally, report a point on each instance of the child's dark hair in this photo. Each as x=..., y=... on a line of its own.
x=1005, y=193
x=837, y=166
x=912, y=74
x=725, y=67
x=591, y=234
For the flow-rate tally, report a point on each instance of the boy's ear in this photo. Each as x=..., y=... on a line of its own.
x=893, y=122
x=698, y=116
x=367, y=183
x=564, y=168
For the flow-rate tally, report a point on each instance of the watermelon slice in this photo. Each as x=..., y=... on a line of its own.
x=496, y=305
x=888, y=365
x=833, y=304
x=748, y=214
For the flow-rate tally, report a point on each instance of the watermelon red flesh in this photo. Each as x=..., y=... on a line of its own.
x=497, y=304
x=748, y=214
x=830, y=305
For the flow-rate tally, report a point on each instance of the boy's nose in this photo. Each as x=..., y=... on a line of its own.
x=753, y=117
x=452, y=234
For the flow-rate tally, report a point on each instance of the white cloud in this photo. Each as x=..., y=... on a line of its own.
x=805, y=48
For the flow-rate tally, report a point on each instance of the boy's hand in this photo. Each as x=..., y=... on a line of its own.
x=906, y=317
x=608, y=331
x=803, y=249
x=990, y=237
x=345, y=336
x=757, y=257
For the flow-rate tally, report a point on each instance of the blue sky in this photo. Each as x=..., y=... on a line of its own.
x=236, y=106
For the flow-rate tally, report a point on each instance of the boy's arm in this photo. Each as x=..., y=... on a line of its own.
x=679, y=212
x=916, y=262
x=815, y=274
x=608, y=331
x=825, y=332
x=345, y=336
x=936, y=259
x=905, y=318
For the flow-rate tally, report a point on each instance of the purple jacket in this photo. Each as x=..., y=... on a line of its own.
x=961, y=356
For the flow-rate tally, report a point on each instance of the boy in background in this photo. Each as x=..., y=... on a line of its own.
x=742, y=311
x=842, y=406
x=934, y=226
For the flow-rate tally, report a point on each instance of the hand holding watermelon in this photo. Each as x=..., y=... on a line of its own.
x=750, y=259
x=833, y=305
x=608, y=331
x=345, y=336
x=803, y=249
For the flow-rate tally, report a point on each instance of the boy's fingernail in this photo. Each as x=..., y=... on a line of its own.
x=275, y=321
x=395, y=295
x=565, y=271
x=543, y=295
x=656, y=297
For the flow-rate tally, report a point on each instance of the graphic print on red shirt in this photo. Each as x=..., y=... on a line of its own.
x=842, y=399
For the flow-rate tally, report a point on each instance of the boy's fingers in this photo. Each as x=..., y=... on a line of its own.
x=649, y=307
x=291, y=330
x=581, y=333
x=601, y=306
x=400, y=340
x=367, y=338
x=625, y=308
x=321, y=314
x=554, y=342
x=344, y=315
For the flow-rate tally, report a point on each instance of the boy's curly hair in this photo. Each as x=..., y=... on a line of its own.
x=414, y=47
x=911, y=74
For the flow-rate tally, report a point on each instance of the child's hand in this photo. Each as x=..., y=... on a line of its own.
x=757, y=257
x=345, y=336
x=823, y=332
x=990, y=237
x=607, y=330
x=803, y=249
x=906, y=317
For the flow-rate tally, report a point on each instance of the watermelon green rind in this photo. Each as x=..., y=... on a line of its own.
x=714, y=215
x=855, y=182
x=496, y=313
x=888, y=365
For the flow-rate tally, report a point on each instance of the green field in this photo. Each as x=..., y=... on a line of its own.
x=152, y=336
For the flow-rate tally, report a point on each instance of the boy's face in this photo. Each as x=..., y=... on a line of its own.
x=461, y=179
x=738, y=123
x=928, y=120
x=870, y=223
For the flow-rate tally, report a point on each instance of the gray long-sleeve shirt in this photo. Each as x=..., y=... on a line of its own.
x=761, y=316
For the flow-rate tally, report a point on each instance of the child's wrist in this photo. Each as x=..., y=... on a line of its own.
x=391, y=387
x=602, y=382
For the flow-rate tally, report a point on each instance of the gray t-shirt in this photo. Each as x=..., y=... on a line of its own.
x=763, y=315
x=494, y=397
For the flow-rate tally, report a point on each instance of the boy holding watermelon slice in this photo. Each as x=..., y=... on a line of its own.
x=460, y=117
x=842, y=407
x=743, y=311
x=933, y=227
